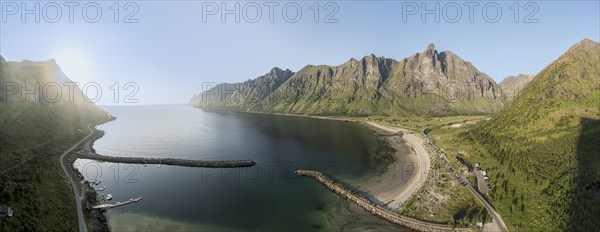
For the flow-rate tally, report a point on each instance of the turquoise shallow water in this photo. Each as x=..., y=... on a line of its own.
x=267, y=196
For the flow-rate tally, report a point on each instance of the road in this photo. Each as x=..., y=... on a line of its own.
x=495, y=216
x=81, y=218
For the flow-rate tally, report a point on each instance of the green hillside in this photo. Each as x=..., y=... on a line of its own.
x=34, y=131
x=543, y=149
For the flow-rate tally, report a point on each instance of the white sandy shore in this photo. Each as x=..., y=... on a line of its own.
x=402, y=179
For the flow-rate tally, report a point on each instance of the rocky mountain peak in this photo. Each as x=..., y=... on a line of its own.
x=429, y=59
x=372, y=84
x=584, y=46
x=278, y=74
x=370, y=59
x=586, y=43
x=276, y=69
x=430, y=50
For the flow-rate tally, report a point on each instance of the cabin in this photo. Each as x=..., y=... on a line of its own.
x=5, y=211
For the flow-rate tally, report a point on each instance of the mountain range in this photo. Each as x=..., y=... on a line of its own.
x=427, y=83
x=540, y=146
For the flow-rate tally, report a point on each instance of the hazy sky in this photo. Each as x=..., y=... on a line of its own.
x=171, y=51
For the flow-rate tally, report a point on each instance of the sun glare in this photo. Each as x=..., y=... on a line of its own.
x=75, y=65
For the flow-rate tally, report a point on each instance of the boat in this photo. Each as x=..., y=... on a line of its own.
x=108, y=197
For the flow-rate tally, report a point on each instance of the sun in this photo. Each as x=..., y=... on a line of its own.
x=75, y=65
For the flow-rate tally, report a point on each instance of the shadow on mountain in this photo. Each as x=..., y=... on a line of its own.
x=585, y=208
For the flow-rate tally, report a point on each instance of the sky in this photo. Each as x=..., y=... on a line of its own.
x=168, y=49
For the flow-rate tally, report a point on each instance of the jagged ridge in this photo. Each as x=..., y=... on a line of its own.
x=427, y=83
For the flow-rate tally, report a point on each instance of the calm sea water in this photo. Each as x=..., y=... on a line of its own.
x=267, y=196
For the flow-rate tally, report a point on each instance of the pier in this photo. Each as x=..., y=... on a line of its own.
x=108, y=206
x=170, y=161
x=375, y=209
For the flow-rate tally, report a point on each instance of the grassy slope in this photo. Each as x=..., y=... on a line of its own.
x=32, y=138
x=31, y=180
x=542, y=150
x=442, y=199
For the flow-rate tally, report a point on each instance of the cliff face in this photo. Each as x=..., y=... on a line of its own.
x=427, y=83
x=351, y=88
x=247, y=95
x=447, y=83
x=250, y=94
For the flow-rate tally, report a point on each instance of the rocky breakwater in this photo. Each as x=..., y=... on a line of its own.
x=373, y=208
x=172, y=161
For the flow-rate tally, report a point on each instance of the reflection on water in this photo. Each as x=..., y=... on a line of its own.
x=267, y=196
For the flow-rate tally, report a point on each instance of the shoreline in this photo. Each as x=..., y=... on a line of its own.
x=421, y=162
x=99, y=221
x=373, y=208
x=385, y=188
x=392, y=188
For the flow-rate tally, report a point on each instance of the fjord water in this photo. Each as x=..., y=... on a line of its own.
x=267, y=196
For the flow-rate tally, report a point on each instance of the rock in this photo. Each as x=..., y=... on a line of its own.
x=427, y=83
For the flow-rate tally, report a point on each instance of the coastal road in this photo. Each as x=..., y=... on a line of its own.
x=81, y=218
x=495, y=216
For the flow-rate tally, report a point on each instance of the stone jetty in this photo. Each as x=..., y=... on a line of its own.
x=375, y=209
x=170, y=161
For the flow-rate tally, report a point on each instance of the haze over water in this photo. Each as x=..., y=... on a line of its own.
x=267, y=196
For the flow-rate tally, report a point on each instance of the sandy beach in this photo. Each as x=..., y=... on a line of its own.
x=401, y=179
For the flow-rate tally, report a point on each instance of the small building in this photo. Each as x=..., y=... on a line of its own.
x=484, y=173
x=5, y=211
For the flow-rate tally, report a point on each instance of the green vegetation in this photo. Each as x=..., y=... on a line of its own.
x=541, y=152
x=443, y=200
x=33, y=135
x=31, y=180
